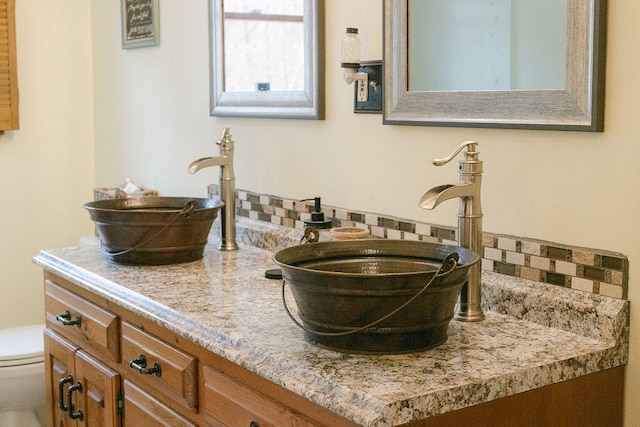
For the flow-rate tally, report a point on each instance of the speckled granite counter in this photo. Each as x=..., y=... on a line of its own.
x=534, y=335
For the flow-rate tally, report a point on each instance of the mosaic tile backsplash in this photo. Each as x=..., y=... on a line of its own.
x=591, y=270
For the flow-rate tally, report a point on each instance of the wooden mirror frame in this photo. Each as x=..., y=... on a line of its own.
x=305, y=104
x=579, y=107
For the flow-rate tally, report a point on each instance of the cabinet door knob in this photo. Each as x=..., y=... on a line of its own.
x=141, y=365
x=254, y=424
x=65, y=319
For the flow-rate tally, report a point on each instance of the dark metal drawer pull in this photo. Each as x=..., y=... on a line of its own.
x=66, y=320
x=141, y=365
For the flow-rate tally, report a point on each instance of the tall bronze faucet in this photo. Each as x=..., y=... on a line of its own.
x=469, y=223
x=227, y=188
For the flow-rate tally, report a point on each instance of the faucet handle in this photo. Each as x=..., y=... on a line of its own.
x=471, y=153
x=225, y=142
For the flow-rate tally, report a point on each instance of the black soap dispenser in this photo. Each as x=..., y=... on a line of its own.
x=317, y=216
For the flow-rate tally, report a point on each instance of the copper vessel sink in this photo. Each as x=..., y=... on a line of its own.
x=153, y=230
x=340, y=286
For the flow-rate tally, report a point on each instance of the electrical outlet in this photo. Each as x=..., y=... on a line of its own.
x=363, y=89
x=368, y=95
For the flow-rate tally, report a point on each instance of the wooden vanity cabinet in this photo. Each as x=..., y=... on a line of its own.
x=80, y=338
x=590, y=400
x=87, y=378
x=95, y=342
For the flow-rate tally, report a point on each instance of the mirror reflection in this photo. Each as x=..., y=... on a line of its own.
x=487, y=44
x=264, y=45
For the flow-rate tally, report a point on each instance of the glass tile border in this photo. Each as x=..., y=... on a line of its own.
x=591, y=270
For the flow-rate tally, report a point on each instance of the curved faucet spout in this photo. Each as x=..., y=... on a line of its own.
x=439, y=194
x=206, y=162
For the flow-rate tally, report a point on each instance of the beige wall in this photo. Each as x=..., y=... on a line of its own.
x=148, y=116
x=46, y=168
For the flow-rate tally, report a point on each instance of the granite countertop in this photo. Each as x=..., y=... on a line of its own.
x=533, y=334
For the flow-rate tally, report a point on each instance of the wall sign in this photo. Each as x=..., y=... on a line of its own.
x=139, y=23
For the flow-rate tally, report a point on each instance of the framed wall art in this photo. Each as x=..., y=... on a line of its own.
x=139, y=23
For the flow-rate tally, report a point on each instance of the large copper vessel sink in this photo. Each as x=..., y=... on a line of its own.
x=341, y=286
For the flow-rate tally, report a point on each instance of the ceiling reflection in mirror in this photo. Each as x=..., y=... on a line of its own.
x=263, y=45
x=471, y=45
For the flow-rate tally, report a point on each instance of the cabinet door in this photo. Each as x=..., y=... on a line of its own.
x=98, y=399
x=142, y=409
x=96, y=388
x=59, y=368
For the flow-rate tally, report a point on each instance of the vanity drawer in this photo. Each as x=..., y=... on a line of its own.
x=87, y=325
x=170, y=372
x=230, y=403
x=143, y=409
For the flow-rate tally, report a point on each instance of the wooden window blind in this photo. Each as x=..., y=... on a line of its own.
x=9, y=117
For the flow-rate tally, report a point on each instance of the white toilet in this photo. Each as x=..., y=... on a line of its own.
x=22, y=389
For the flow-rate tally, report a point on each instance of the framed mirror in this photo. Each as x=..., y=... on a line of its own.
x=572, y=98
x=266, y=58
